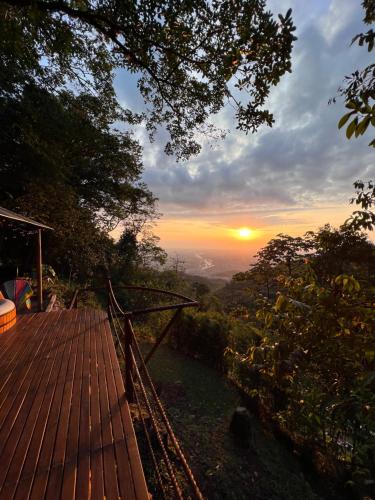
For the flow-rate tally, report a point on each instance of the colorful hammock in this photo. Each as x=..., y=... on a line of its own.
x=19, y=291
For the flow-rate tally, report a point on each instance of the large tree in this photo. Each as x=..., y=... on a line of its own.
x=190, y=57
x=63, y=163
x=284, y=250
x=338, y=251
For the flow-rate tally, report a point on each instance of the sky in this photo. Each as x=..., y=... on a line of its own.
x=291, y=178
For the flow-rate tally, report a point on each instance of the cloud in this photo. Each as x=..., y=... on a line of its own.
x=304, y=161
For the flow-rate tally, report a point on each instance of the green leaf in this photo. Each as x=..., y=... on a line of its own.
x=351, y=128
x=351, y=105
x=362, y=127
x=280, y=302
x=344, y=119
x=268, y=320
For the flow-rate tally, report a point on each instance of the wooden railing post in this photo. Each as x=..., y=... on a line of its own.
x=129, y=389
x=39, y=271
x=74, y=302
x=109, y=313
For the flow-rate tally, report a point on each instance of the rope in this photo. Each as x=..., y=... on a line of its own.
x=156, y=466
x=113, y=305
x=176, y=444
x=165, y=454
x=170, y=470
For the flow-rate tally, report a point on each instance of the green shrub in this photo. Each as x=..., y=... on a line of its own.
x=314, y=367
x=207, y=335
x=203, y=335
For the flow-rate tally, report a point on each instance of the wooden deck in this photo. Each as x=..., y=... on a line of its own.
x=65, y=425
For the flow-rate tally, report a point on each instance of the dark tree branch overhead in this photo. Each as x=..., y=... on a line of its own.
x=184, y=53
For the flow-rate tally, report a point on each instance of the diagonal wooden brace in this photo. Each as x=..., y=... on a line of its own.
x=163, y=335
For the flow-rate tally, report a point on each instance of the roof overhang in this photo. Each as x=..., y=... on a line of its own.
x=8, y=214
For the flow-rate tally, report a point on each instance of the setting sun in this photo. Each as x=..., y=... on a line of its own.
x=244, y=233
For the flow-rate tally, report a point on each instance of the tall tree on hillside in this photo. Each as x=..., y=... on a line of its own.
x=284, y=250
x=261, y=278
x=138, y=251
x=345, y=250
x=189, y=57
x=282, y=254
x=63, y=163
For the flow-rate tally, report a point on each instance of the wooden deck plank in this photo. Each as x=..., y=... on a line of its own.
x=11, y=374
x=83, y=468
x=65, y=425
x=25, y=458
x=122, y=457
x=53, y=481
x=15, y=412
x=12, y=353
x=71, y=455
x=96, y=445
x=109, y=459
x=139, y=481
x=49, y=440
x=7, y=339
x=19, y=427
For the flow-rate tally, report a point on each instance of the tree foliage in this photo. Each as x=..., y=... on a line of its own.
x=365, y=198
x=311, y=363
x=283, y=249
x=316, y=360
x=283, y=253
x=136, y=253
x=345, y=250
x=190, y=57
x=359, y=88
x=64, y=164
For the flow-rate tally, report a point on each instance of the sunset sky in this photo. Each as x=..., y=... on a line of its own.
x=292, y=178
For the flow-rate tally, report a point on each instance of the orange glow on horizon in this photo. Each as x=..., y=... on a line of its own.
x=242, y=235
x=193, y=234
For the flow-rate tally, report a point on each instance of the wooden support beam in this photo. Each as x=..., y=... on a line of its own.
x=162, y=336
x=74, y=301
x=51, y=303
x=39, y=272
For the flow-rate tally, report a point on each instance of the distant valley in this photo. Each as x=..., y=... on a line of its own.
x=208, y=263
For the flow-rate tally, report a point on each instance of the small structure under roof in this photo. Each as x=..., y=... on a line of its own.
x=21, y=219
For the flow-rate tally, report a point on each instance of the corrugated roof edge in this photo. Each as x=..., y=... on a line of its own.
x=8, y=214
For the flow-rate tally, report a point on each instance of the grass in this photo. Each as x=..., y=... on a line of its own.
x=200, y=402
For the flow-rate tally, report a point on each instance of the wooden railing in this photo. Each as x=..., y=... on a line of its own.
x=140, y=390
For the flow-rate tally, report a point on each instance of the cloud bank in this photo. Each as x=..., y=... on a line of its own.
x=303, y=162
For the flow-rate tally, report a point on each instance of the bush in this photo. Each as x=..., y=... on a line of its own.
x=314, y=368
x=203, y=335
x=207, y=335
